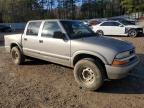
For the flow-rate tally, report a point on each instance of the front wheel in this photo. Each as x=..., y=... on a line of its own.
x=17, y=56
x=100, y=33
x=132, y=33
x=88, y=74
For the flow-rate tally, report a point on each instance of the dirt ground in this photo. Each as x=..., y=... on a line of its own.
x=40, y=84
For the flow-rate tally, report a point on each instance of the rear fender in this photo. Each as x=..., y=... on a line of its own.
x=16, y=44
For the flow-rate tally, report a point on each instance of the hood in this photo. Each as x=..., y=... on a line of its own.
x=106, y=42
x=107, y=48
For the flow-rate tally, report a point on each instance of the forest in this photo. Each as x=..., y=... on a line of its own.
x=24, y=10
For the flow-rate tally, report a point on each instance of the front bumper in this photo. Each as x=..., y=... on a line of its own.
x=118, y=72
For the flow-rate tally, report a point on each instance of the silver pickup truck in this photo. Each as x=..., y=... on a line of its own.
x=73, y=44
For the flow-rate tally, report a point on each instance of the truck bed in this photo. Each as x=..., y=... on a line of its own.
x=9, y=39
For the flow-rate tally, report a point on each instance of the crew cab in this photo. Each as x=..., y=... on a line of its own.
x=71, y=43
x=117, y=28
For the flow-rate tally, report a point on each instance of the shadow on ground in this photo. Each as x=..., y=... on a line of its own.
x=128, y=85
x=133, y=84
x=33, y=61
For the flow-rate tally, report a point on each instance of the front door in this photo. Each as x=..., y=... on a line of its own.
x=107, y=28
x=53, y=49
x=118, y=29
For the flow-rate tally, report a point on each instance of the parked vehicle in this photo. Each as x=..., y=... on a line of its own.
x=120, y=19
x=86, y=22
x=4, y=28
x=71, y=43
x=117, y=28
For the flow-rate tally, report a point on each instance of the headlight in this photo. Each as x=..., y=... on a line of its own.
x=120, y=58
x=118, y=62
x=123, y=55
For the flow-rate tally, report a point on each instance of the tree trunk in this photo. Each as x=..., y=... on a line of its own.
x=1, y=20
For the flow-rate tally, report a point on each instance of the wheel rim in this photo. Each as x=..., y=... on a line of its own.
x=100, y=33
x=87, y=75
x=133, y=33
x=15, y=55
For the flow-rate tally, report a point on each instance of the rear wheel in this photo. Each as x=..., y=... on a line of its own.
x=132, y=33
x=88, y=74
x=17, y=56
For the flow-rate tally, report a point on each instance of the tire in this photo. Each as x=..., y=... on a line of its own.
x=17, y=56
x=132, y=33
x=100, y=33
x=89, y=74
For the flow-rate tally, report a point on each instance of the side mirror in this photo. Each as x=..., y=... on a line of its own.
x=59, y=35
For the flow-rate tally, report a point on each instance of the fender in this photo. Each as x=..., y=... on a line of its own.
x=18, y=44
x=96, y=54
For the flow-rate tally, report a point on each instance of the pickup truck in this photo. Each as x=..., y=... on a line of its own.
x=73, y=44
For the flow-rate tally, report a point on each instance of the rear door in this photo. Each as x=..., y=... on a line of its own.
x=30, y=39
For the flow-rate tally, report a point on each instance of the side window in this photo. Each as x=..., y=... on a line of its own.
x=107, y=24
x=116, y=24
x=49, y=28
x=33, y=28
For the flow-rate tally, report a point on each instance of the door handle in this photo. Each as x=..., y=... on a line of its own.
x=25, y=39
x=40, y=41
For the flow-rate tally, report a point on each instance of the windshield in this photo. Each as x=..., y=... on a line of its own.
x=125, y=22
x=77, y=29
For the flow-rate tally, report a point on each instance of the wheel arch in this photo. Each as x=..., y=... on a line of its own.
x=99, y=30
x=96, y=57
x=14, y=45
x=84, y=54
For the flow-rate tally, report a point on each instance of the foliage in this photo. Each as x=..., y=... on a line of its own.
x=24, y=10
x=133, y=5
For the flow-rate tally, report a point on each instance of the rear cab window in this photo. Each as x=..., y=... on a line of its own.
x=33, y=28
